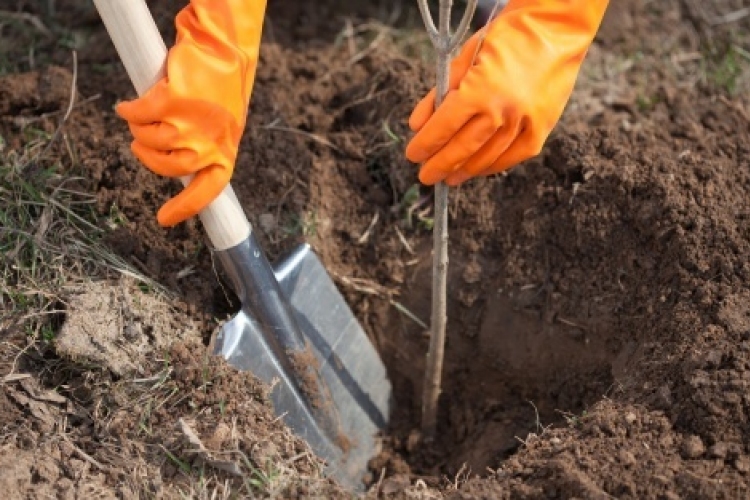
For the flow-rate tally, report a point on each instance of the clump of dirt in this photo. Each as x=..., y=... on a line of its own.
x=35, y=92
x=306, y=365
x=116, y=327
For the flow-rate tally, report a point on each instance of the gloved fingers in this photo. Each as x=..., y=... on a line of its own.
x=432, y=176
x=459, y=67
x=148, y=108
x=160, y=136
x=491, y=150
x=526, y=146
x=197, y=195
x=425, y=108
x=482, y=162
x=422, y=111
x=457, y=178
x=173, y=163
x=462, y=146
x=445, y=122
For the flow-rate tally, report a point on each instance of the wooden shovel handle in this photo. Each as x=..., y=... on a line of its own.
x=143, y=52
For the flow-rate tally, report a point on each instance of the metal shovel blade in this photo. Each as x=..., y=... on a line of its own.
x=349, y=366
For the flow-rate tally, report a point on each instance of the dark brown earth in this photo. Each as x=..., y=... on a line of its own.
x=599, y=327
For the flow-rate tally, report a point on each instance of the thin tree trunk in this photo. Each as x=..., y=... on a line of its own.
x=444, y=44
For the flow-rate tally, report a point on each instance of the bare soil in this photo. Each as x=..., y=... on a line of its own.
x=599, y=327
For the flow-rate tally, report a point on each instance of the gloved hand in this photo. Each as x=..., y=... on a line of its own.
x=192, y=120
x=506, y=92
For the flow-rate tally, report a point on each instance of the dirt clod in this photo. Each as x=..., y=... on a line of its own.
x=116, y=325
x=692, y=447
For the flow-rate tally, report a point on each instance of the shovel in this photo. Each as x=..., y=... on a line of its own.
x=294, y=330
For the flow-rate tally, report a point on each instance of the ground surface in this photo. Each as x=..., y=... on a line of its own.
x=599, y=329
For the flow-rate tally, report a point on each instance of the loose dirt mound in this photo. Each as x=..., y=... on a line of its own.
x=599, y=333
x=141, y=438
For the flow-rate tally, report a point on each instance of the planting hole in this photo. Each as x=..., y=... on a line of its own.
x=512, y=368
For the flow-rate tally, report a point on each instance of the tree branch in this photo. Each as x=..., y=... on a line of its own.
x=429, y=23
x=463, y=26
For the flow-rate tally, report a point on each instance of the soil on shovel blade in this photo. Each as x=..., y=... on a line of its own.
x=599, y=327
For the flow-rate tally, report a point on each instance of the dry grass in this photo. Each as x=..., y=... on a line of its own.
x=49, y=232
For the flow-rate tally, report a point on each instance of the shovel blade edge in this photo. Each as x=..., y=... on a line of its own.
x=348, y=362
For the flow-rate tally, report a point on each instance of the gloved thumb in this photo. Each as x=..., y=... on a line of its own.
x=146, y=109
x=459, y=67
x=207, y=184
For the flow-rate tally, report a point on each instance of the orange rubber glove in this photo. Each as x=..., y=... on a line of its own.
x=504, y=98
x=192, y=120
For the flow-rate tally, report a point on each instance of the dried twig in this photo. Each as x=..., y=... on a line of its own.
x=368, y=287
x=68, y=111
x=731, y=17
x=320, y=140
x=83, y=454
x=444, y=43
